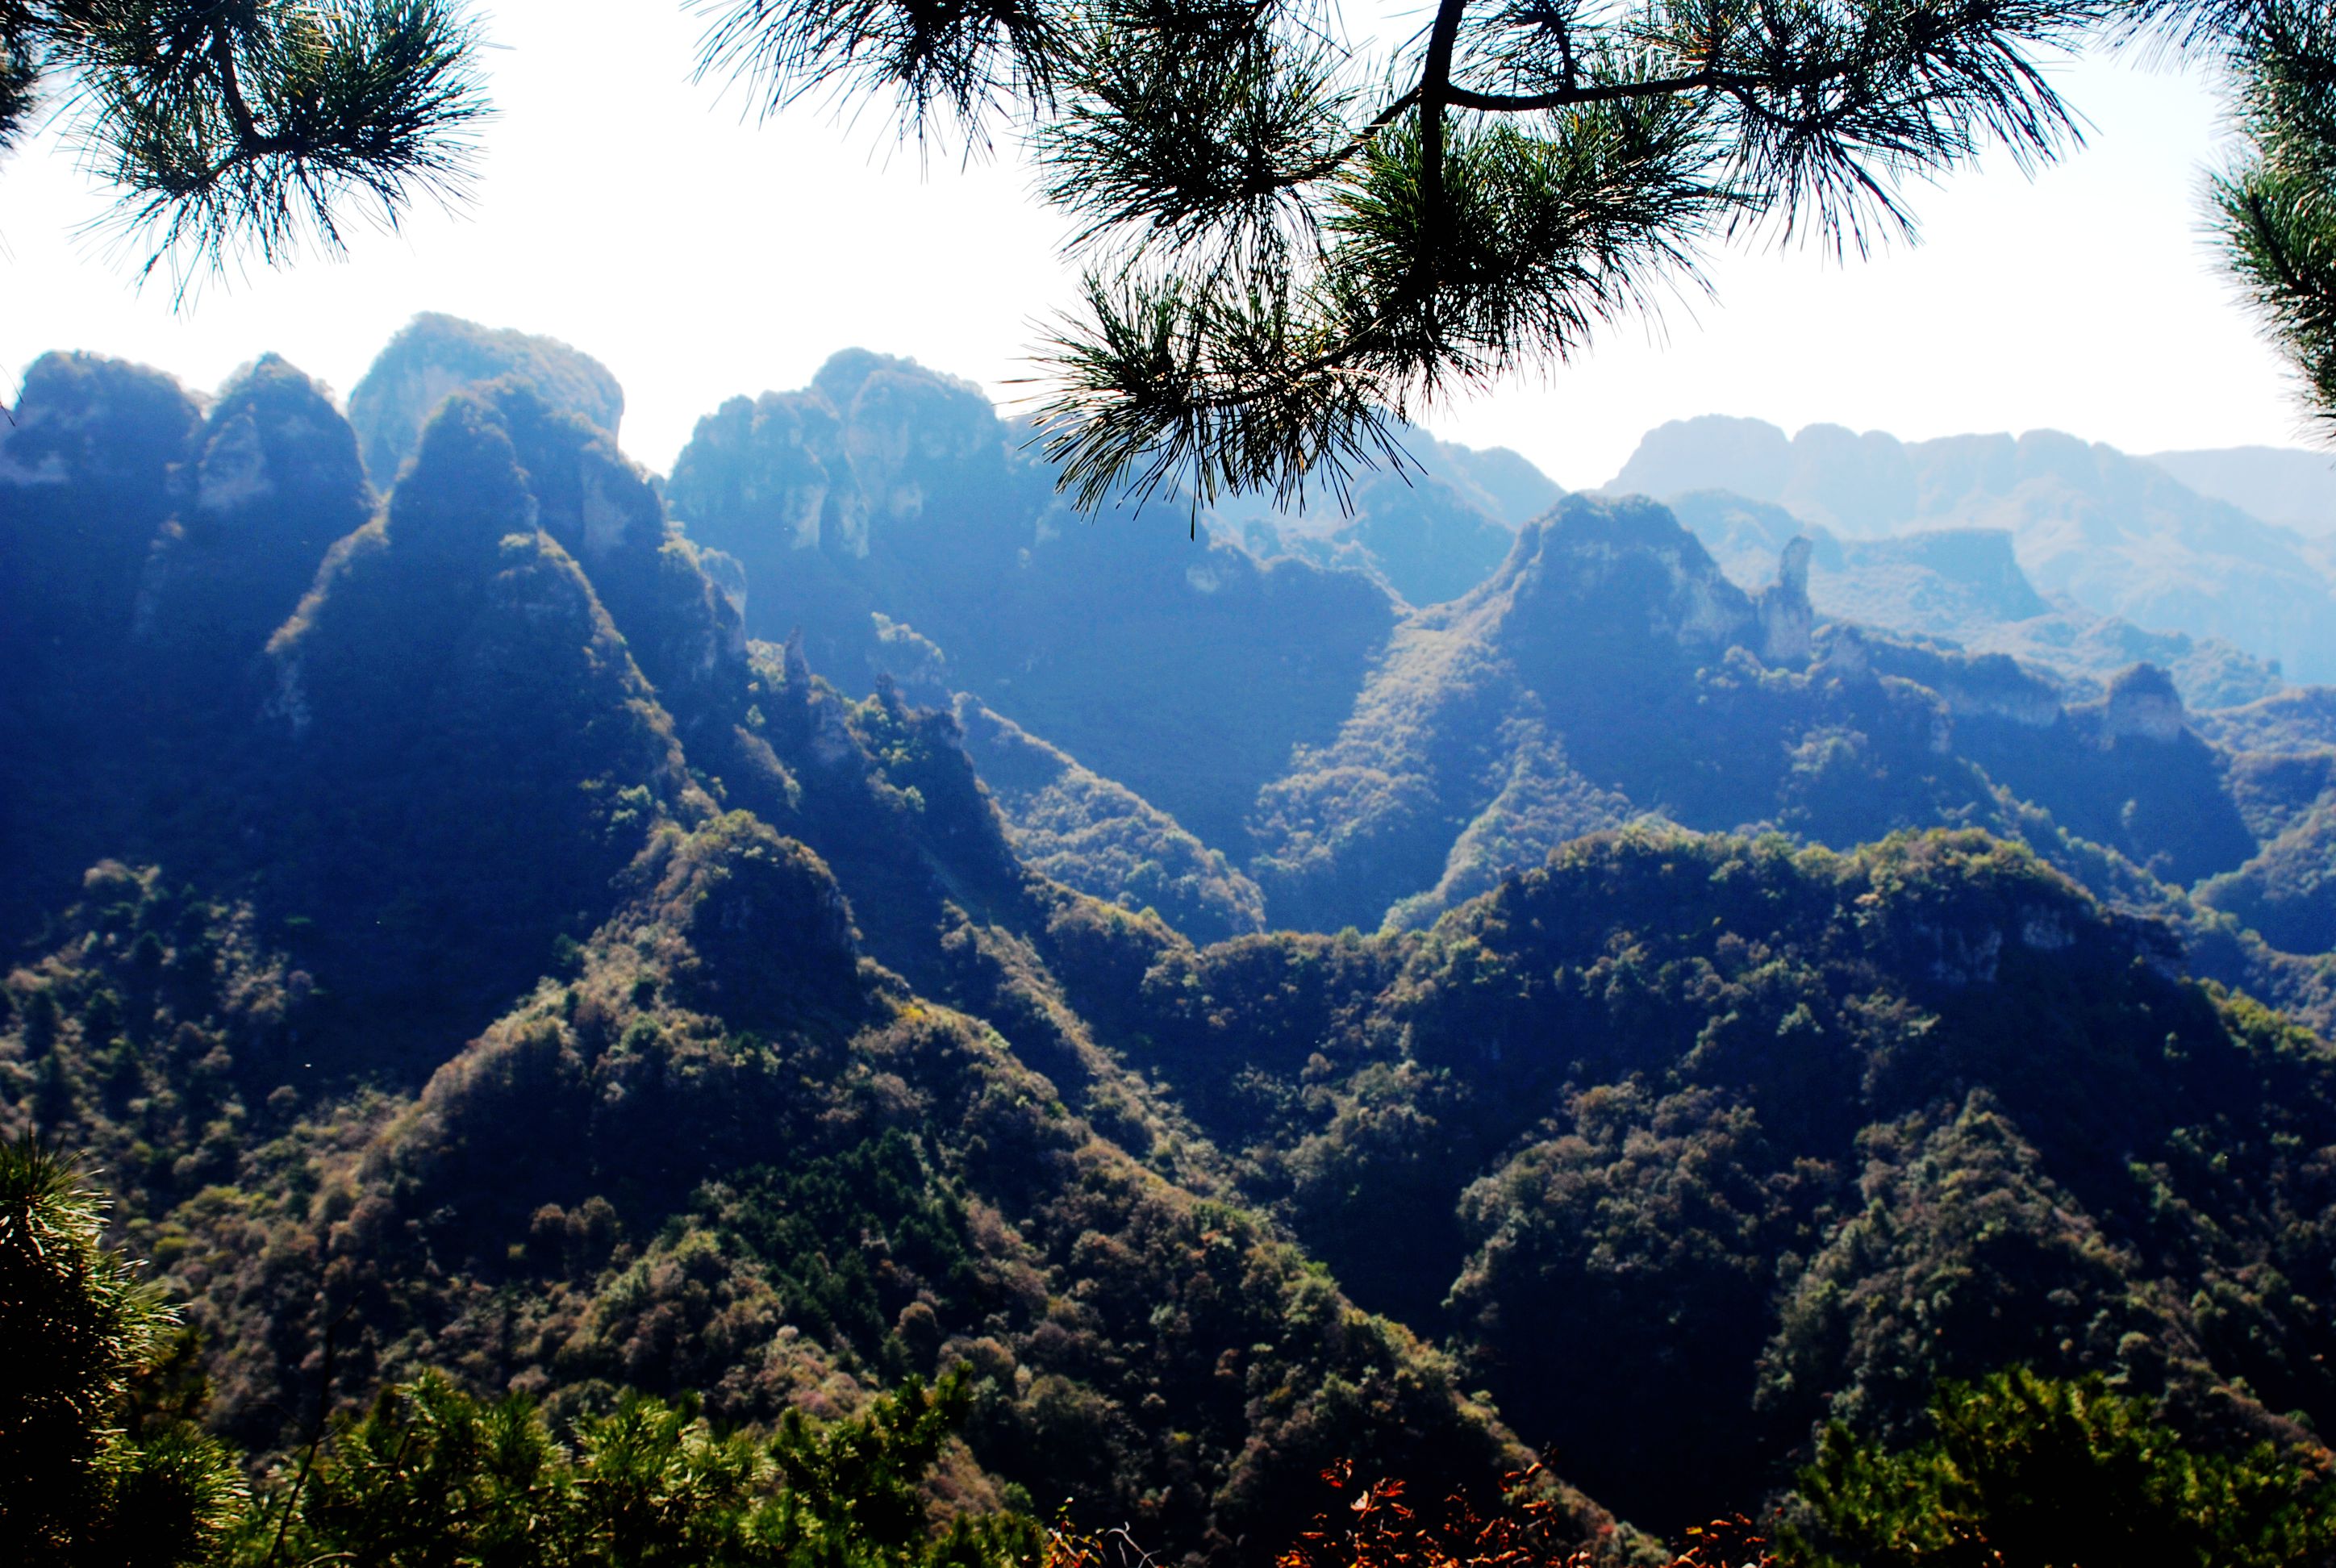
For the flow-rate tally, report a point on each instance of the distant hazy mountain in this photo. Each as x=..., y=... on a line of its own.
x=2283, y=484
x=2118, y=535
x=1517, y=491
x=1430, y=532
x=1428, y=538
x=1966, y=584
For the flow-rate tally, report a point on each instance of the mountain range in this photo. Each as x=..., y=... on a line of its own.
x=830, y=914
x=2113, y=535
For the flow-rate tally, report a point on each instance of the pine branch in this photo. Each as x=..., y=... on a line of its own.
x=261, y=129
x=2276, y=207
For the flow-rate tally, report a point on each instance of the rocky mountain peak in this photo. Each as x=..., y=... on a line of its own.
x=86, y=465
x=466, y=488
x=768, y=931
x=274, y=439
x=1787, y=620
x=591, y=497
x=273, y=480
x=433, y=356
x=85, y=419
x=1604, y=569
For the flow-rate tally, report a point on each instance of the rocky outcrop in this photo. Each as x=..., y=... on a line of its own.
x=1613, y=571
x=885, y=495
x=2142, y=704
x=1787, y=621
x=86, y=459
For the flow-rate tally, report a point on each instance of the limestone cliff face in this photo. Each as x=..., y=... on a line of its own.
x=873, y=441
x=434, y=357
x=273, y=480
x=1613, y=573
x=85, y=420
x=2143, y=704
x=86, y=461
x=906, y=431
x=1787, y=621
x=86, y=458
x=1981, y=688
x=886, y=496
x=768, y=474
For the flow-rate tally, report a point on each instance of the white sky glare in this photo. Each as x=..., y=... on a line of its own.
x=653, y=224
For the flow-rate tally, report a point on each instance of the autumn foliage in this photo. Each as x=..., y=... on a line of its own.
x=1373, y=1526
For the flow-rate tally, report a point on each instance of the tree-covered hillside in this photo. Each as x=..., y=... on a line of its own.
x=480, y=968
x=1688, y=1143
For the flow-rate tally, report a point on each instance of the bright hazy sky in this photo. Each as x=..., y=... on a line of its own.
x=647, y=221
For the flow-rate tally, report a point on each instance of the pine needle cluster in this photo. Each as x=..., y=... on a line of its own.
x=236, y=130
x=1291, y=247
x=79, y=1326
x=2275, y=206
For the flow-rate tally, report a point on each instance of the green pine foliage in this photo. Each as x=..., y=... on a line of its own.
x=79, y=1485
x=2022, y=1468
x=255, y=130
x=99, y=1465
x=2270, y=203
x=433, y=1475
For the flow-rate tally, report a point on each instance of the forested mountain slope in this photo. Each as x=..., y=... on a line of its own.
x=2291, y=487
x=466, y=947
x=1611, y=671
x=886, y=490
x=488, y=1040
x=1689, y=1141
